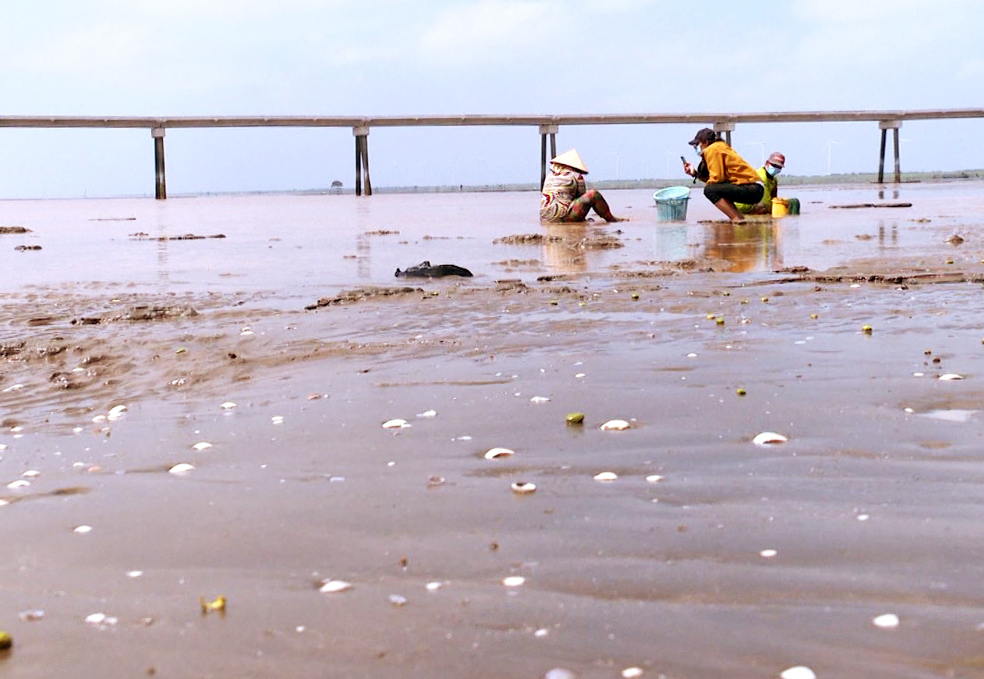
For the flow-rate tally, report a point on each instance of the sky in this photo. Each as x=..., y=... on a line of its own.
x=452, y=57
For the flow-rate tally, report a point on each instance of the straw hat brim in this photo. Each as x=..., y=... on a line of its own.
x=571, y=159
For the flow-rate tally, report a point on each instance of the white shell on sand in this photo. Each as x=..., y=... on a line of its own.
x=228, y=405
x=886, y=621
x=83, y=529
x=434, y=586
x=559, y=673
x=277, y=419
x=539, y=399
x=334, y=586
x=428, y=413
x=632, y=672
x=949, y=377
x=606, y=476
x=4, y=503
x=798, y=672
x=615, y=425
x=202, y=445
x=769, y=437
x=100, y=619
x=116, y=412
x=514, y=581
x=523, y=488
x=396, y=424
x=20, y=483
x=654, y=478
x=768, y=553
x=496, y=453
x=31, y=474
x=181, y=468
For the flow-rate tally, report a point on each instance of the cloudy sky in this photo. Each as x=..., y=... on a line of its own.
x=411, y=57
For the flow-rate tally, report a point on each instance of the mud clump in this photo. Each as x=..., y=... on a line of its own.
x=360, y=294
x=13, y=229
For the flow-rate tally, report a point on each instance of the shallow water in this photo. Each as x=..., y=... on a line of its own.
x=871, y=506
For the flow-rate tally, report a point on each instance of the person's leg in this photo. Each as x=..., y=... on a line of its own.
x=584, y=203
x=724, y=195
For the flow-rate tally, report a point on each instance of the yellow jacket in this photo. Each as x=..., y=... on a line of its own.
x=725, y=165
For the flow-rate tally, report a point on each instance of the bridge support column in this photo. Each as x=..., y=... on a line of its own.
x=545, y=130
x=885, y=126
x=160, y=183
x=361, y=135
x=727, y=129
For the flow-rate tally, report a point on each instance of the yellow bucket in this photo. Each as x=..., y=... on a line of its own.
x=780, y=207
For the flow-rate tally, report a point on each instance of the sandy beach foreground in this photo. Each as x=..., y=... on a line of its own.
x=267, y=363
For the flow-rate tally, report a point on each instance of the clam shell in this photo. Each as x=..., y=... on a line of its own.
x=605, y=476
x=768, y=437
x=228, y=405
x=181, y=468
x=496, y=453
x=949, y=377
x=523, y=488
x=886, y=621
x=798, y=672
x=654, y=478
x=632, y=672
x=396, y=424
x=514, y=581
x=334, y=586
x=202, y=445
x=615, y=425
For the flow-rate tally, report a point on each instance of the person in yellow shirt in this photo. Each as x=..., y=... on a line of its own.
x=728, y=177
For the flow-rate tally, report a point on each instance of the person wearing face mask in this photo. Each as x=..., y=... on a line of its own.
x=769, y=175
x=727, y=177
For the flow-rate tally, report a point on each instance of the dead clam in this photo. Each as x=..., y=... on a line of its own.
x=396, y=423
x=798, y=672
x=950, y=377
x=615, y=425
x=606, y=477
x=334, y=586
x=769, y=438
x=523, y=488
x=181, y=469
x=498, y=453
x=202, y=445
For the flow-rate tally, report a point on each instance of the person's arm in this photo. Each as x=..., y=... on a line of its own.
x=580, y=186
x=714, y=161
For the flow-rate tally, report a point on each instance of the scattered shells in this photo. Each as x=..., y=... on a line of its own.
x=798, y=672
x=514, y=581
x=768, y=437
x=496, y=453
x=949, y=377
x=606, y=476
x=202, y=445
x=181, y=468
x=654, y=478
x=396, y=424
x=334, y=586
x=886, y=621
x=228, y=405
x=83, y=529
x=615, y=425
x=523, y=488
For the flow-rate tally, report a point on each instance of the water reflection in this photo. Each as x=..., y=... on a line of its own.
x=752, y=246
x=563, y=247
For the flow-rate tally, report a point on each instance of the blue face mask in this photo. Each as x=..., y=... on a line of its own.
x=773, y=170
x=698, y=150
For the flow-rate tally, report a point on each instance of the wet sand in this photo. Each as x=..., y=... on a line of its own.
x=872, y=506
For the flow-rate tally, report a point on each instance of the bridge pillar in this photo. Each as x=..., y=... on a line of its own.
x=160, y=183
x=885, y=126
x=544, y=131
x=727, y=129
x=361, y=135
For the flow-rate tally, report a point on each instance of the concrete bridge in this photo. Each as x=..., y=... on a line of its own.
x=723, y=123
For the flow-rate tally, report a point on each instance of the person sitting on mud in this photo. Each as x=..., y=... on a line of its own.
x=727, y=176
x=565, y=196
x=769, y=175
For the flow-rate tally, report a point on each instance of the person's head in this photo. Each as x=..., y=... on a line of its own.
x=704, y=138
x=775, y=163
x=572, y=160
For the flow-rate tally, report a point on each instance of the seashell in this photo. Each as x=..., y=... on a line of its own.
x=4, y=503
x=542, y=632
x=218, y=604
x=434, y=481
x=181, y=468
x=428, y=413
x=768, y=437
x=396, y=424
x=20, y=483
x=539, y=399
x=768, y=553
x=83, y=529
x=654, y=478
x=334, y=586
x=863, y=517
x=134, y=574
x=949, y=377
x=523, y=488
x=228, y=405
x=496, y=453
x=31, y=473
x=100, y=619
x=886, y=621
x=514, y=581
x=575, y=418
x=615, y=425
x=277, y=419
x=99, y=418
x=202, y=445
x=606, y=476
x=434, y=586
x=632, y=672
x=798, y=672
x=398, y=600
x=13, y=387
x=116, y=412
x=559, y=673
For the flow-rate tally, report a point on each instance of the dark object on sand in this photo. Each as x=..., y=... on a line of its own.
x=425, y=270
x=856, y=205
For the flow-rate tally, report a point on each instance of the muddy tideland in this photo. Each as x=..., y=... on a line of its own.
x=263, y=455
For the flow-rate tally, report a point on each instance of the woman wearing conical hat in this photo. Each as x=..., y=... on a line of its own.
x=565, y=197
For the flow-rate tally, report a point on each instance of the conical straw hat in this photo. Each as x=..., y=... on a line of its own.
x=571, y=159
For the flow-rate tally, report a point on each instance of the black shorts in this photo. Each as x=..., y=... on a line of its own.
x=736, y=193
